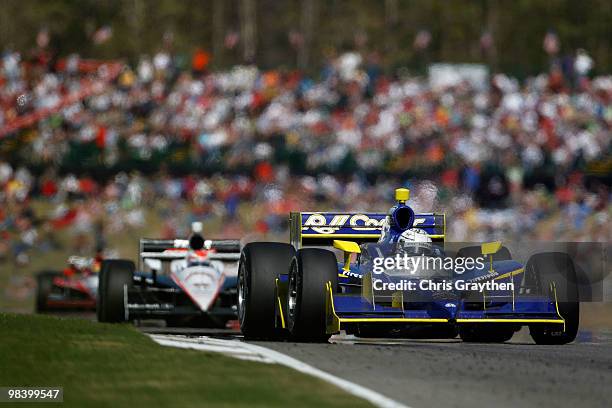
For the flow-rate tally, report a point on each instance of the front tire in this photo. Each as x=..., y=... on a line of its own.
x=116, y=276
x=311, y=270
x=260, y=265
x=556, y=268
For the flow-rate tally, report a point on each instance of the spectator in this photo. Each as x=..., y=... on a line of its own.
x=217, y=144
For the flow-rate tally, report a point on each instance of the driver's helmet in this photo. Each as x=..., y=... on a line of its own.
x=80, y=264
x=415, y=242
x=199, y=257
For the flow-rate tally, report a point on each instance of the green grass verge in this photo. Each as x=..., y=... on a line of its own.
x=103, y=365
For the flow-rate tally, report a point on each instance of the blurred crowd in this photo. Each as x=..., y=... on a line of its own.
x=242, y=147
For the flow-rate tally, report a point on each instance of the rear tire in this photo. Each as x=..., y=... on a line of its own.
x=115, y=276
x=44, y=285
x=556, y=267
x=260, y=264
x=311, y=269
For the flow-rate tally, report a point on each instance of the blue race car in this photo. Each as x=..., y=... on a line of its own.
x=299, y=290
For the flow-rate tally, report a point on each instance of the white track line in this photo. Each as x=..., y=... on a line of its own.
x=248, y=351
x=212, y=345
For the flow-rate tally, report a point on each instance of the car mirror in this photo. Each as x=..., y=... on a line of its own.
x=490, y=248
x=348, y=247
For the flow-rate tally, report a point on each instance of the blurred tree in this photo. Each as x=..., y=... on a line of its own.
x=307, y=26
x=248, y=18
x=218, y=30
x=391, y=20
x=512, y=31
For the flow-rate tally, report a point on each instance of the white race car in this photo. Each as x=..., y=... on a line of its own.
x=182, y=281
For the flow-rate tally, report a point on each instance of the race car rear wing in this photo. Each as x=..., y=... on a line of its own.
x=168, y=249
x=321, y=228
x=161, y=245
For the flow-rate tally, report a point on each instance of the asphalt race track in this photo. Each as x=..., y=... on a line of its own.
x=443, y=373
x=450, y=373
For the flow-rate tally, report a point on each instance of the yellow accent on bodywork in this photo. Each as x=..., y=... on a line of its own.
x=279, y=302
x=367, y=291
x=280, y=308
x=444, y=234
x=485, y=320
x=348, y=247
x=340, y=235
x=397, y=299
x=508, y=274
x=489, y=248
x=332, y=322
x=402, y=195
x=391, y=320
x=554, y=288
x=357, y=236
